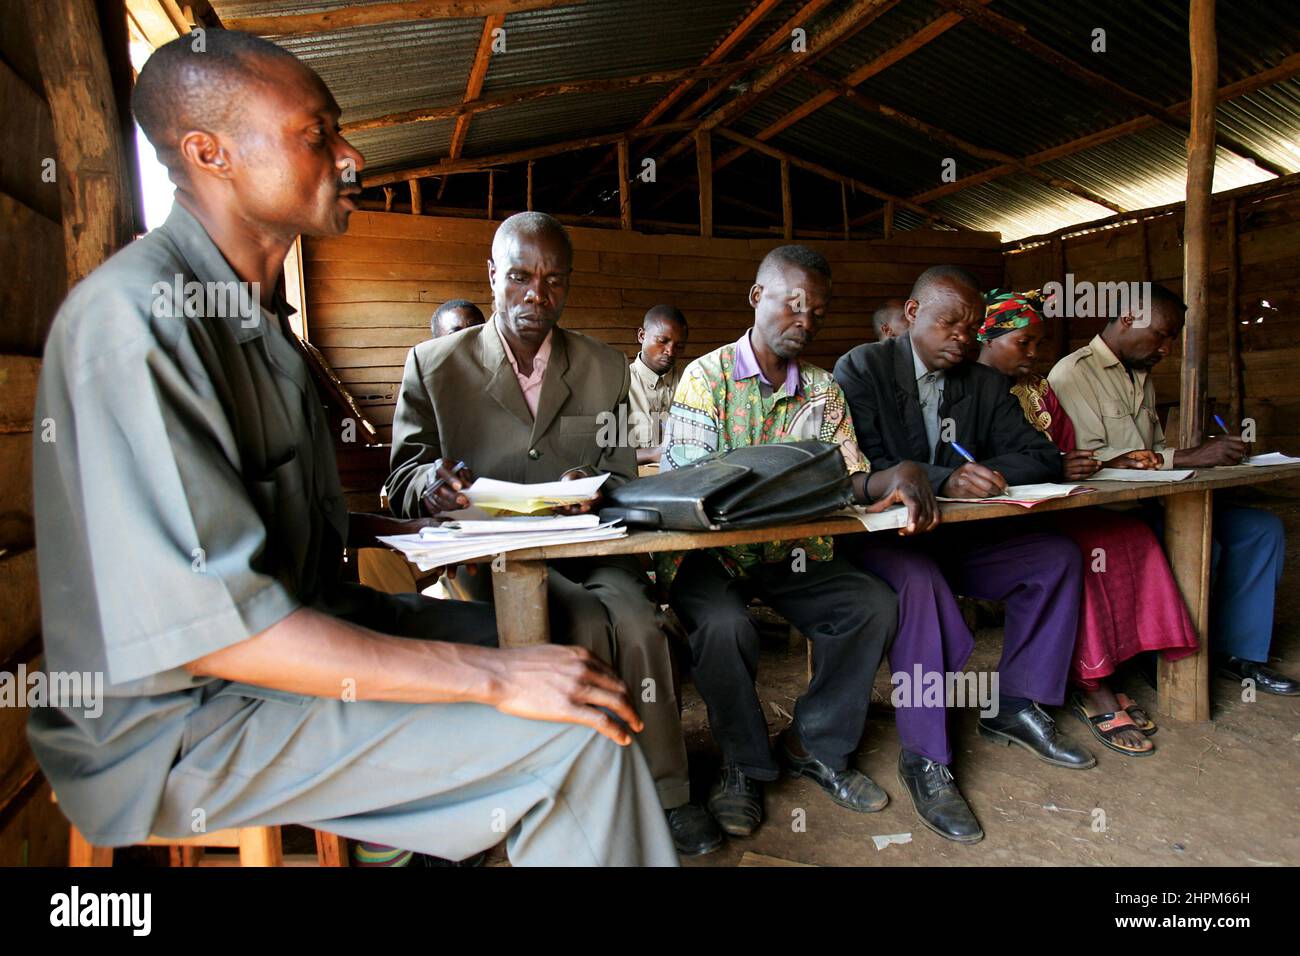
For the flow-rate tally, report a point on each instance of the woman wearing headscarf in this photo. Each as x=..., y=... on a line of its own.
x=1130, y=601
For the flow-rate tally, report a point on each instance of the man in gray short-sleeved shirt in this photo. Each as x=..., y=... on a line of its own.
x=190, y=526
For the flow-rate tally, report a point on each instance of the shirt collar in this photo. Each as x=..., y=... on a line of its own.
x=540, y=360
x=921, y=370
x=747, y=367
x=209, y=265
x=646, y=373
x=1103, y=352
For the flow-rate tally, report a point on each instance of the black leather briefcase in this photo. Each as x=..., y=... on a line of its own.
x=741, y=488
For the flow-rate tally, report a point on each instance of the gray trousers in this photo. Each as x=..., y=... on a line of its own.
x=603, y=604
x=450, y=780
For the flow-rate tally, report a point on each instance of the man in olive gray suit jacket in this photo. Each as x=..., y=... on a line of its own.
x=521, y=399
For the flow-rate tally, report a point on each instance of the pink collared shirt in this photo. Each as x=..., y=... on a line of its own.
x=530, y=385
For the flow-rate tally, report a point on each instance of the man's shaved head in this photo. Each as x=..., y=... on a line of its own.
x=192, y=84
x=937, y=275
x=800, y=256
x=529, y=225
x=663, y=313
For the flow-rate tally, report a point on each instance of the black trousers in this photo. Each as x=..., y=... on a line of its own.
x=850, y=617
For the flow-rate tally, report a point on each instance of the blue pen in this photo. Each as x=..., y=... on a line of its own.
x=1221, y=423
x=963, y=452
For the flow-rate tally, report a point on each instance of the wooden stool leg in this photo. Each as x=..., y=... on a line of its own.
x=82, y=853
x=260, y=846
x=331, y=849
x=185, y=855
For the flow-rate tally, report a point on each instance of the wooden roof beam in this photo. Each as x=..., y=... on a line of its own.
x=377, y=14
x=1287, y=69
x=480, y=163
x=833, y=176
x=1019, y=36
x=930, y=131
x=477, y=73
x=469, y=107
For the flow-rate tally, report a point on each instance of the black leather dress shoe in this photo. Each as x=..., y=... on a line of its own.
x=736, y=802
x=937, y=800
x=694, y=832
x=1032, y=729
x=1265, y=678
x=849, y=788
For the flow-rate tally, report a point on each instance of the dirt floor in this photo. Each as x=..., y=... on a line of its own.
x=1226, y=792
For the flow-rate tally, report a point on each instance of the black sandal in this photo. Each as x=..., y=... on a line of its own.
x=1106, y=727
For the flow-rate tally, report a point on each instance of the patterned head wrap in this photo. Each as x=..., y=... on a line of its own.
x=1005, y=311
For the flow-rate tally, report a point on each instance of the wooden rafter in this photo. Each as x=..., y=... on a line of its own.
x=870, y=105
x=736, y=70
x=480, y=163
x=375, y=14
x=899, y=51
x=1287, y=69
x=1019, y=36
x=469, y=107
x=474, y=85
x=832, y=175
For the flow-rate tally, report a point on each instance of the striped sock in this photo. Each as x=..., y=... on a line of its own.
x=377, y=854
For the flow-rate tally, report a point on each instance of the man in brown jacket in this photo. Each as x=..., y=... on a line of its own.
x=521, y=399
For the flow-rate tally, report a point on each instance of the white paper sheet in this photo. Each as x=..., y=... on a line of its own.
x=1027, y=495
x=1140, y=474
x=1272, y=458
x=890, y=518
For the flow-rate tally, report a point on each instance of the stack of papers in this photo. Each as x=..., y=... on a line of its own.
x=458, y=541
x=493, y=495
x=1027, y=495
x=892, y=517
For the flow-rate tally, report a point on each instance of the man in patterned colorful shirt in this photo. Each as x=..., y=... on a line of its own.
x=756, y=391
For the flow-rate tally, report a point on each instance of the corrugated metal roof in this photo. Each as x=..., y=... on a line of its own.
x=967, y=81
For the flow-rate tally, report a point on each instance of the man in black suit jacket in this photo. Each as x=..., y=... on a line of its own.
x=915, y=398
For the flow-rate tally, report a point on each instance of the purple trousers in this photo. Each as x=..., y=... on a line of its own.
x=1039, y=576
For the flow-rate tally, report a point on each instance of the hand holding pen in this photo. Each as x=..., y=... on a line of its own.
x=1226, y=434
x=973, y=480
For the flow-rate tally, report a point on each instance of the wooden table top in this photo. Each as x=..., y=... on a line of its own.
x=1106, y=492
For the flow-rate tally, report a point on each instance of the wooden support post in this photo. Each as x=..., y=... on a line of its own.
x=416, y=204
x=388, y=198
x=787, y=207
x=1235, y=396
x=331, y=849
x=624, y=188
x=889, y=219
x=492, y=183
x=92, y=173
x=260, y=846
x=1144, y=250
x=1196, y=237
x=519, y=591
x=1061, y=326
x=530, y=186
x=704, y=168
x=1183, y=687
x=82, y=853
x=844, y=208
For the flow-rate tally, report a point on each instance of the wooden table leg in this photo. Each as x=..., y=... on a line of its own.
x=1184, y=685
x=519, y=591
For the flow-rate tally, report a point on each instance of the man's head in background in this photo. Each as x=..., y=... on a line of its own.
x=663, y=336
x=454, y=315
x=249, y=135
x=888, y=320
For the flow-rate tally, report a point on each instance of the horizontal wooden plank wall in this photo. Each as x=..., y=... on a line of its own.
x=1269, y=256
x=371, y=292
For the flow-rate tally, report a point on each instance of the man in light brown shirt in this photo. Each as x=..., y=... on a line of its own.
x=1106, y=389
x=655, y=374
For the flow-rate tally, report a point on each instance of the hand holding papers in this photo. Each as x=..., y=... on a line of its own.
x=509, y=496
x=459, y=541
